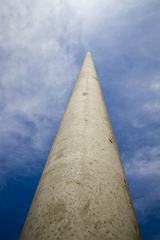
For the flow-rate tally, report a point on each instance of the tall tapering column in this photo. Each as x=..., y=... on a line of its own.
x=83, y=192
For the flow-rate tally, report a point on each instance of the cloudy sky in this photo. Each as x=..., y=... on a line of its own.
x=42, y=48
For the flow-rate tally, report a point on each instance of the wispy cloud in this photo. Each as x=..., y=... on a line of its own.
x=146, y=161
x=143, y=173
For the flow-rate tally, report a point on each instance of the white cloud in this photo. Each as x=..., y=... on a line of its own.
x=143, y=174
x=156, y=86
x=146, y=161
x=137, y=124
x=151, y=107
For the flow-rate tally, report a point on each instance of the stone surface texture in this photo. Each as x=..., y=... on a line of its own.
x=83, y=192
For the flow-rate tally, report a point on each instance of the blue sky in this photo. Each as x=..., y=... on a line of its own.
x=42, y=48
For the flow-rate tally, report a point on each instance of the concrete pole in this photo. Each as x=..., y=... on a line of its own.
x=83, y=192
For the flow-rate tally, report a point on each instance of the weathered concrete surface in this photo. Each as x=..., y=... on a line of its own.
x=83, y=192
